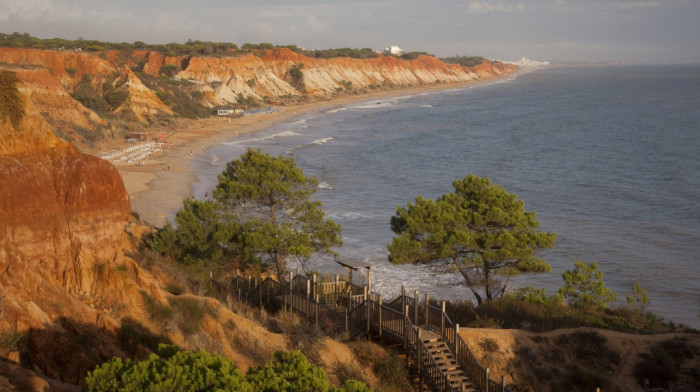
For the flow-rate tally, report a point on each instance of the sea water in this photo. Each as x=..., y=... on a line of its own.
x=608, y=157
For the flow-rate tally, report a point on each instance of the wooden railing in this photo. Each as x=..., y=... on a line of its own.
x=336, y=306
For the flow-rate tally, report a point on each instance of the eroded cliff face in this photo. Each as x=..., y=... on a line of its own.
x=50, y=78
x=62, y=213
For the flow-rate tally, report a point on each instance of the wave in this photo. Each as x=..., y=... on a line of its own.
x=375, y=105
x=322, y=141
x=259, y=139
x=426, y=106
x=215, y=160
x=349, y=215
x=324, y=185
x=336, y=110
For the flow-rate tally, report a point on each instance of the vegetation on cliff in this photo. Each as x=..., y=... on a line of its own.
x=171, y=369
x=262, y=213
x=465, y=61
x=189, y=48
x=11, y=106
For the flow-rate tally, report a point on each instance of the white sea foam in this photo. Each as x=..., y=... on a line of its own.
x=258, y=139
x=322, y=141
x=427, y=106
x=215, y=160
x=336, y=110
x=375, y=105
x=324, y=185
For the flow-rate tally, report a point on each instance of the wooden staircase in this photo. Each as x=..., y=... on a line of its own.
x=446, y=362
x=434, y=348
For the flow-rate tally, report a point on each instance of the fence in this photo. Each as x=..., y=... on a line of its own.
x=335, y=306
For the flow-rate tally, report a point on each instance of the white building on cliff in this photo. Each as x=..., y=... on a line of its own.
x=393, y=50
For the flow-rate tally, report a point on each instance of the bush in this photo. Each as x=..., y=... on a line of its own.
x=169, y=70
x=584, y=286
x=174, y=370
x=665, y=362
x=11, y=105
x=190, y=313
x=168, y=370
x=87, y=94
x=159, y=313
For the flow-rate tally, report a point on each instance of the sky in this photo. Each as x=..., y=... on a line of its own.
x=649, y=31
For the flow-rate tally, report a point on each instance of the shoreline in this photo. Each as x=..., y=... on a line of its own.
x=157, y=188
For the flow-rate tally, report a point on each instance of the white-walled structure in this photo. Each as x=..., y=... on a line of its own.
x=393, y=50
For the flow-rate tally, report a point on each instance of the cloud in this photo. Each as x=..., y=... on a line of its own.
x=486, y=7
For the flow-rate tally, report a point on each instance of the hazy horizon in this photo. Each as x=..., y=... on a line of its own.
x=647, y=31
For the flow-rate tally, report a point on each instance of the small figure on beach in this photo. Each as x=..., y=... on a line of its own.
x=205, y=196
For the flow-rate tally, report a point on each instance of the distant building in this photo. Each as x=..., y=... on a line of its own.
x=393, y=50
x=223, y=110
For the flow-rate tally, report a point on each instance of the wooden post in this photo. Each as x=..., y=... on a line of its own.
x=291, y=297
x=456, y=345
x=419, y=355
x=486, y=384
x=442, y=321
x=315, y=289
x=316, y=309
x=260, y=293
x=406, y=326
x=369, y=279
x=503, y=383
x=403, y=296
x=415, y=308
x=347, y=327
x=427, y=306
x=308, y=299
x=365, y=292
x=336, y=291
x=380, y=319
x=368, y=303
x=248, y=293
x=238, y=275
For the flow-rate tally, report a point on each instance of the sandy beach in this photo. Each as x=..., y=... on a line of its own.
x=158, y=187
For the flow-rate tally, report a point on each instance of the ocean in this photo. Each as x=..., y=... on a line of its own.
x=608, y=157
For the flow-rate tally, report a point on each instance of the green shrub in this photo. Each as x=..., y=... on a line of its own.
x=116, y=97
x=71, y=71
x=584, y=286
x=288, y=371
x=11, y=105
x=190, y=313
x=87, y=94
x=465, y=61
x=168, y=370
x=665, y=362
x=392, y=372
x=132, y=336
x=174, y=288
x=169, y=70
x=489, y=345
x=173, y=370
x=160, y=314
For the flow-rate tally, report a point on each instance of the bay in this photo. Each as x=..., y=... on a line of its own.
x=608, y=157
